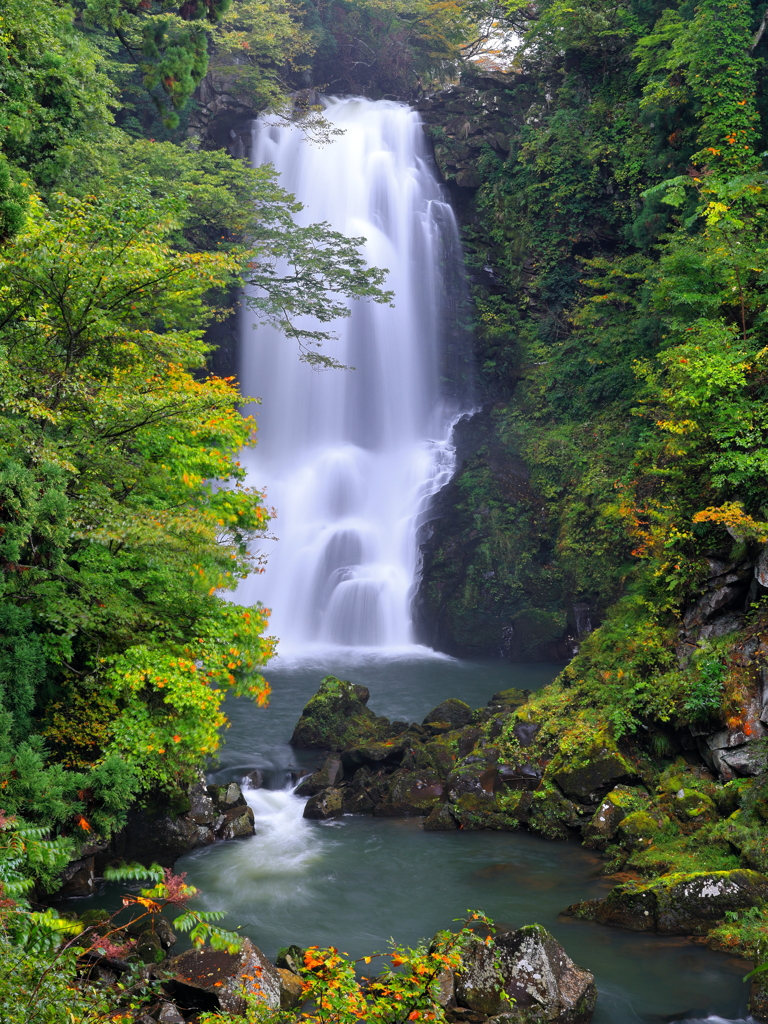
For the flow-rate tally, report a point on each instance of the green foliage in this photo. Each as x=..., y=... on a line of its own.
x=705, y=694
x=55, y=98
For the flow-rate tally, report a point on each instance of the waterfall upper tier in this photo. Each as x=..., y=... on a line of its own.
x=351, y=458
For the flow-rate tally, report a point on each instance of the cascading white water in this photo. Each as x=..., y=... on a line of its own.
x=350, y=458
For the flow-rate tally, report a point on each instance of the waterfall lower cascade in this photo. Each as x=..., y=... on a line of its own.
x=351, y=458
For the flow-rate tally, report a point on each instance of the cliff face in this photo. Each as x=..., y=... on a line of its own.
x=493, y=581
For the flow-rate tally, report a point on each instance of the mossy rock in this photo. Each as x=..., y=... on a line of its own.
x=638, y=829
x=691, y=805
x=602, y=827
x=553, y=814
x=452, y=712
x=337, y=718
x=511, y=698
x=585, y=774
x=440, y=819
x=678, y=904
x=411, y=793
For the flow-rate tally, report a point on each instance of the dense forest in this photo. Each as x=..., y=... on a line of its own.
x=607, y=165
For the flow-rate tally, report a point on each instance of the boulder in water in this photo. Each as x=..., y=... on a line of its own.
x=545, y=984
x=325, y=805
x=337, y=717
x=526, y=977
x=206, y=978
x=678, y=904
x=440, y=819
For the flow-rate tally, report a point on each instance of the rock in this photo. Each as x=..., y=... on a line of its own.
x=325, y=805
x=386, y=753
x=337, y=718
x=201, y=809
x=446, y=993
x=758, y=997
x=454, y=712
x=552, y=814
x=471, y=786
x=169, y=1014
x=254, y=779
x=226, y=797
x=291, y=989
x=155, y=836
x=150, y=949
x=468, y=178
x=225, y=978
x=638, y=829
x=591, y=772
x=708, y=605
x=525, y=732
x=536, y=982
x=440, y=819
x=237, y=823
x=691, y=805
x=411, y=793
x=479, y=985
x=544, y=982
x=78, y=878
x=761, y=568
x=155, y=924
x=511, y=698
x=676, y=904
x=291, y=958
x=525, y=776
x=602, y=827
x=330, y=774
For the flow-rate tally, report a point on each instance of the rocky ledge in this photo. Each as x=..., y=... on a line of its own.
x=517, y=977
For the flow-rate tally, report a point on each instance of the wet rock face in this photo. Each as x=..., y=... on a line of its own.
x=677, y=904
x=526, y=976
x=211, y=979
x=330, y=774
x=156, y=834
x=291, y=989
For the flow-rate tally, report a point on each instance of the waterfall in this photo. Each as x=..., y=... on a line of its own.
x=351, y=458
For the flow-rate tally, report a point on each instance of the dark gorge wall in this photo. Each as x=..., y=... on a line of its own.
x=503, y=573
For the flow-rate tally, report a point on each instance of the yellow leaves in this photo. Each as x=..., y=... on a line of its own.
x=677, y=426
x=732, y=516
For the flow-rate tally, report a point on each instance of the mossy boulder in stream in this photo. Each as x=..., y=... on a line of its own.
x=337, y=718
x=677, y=904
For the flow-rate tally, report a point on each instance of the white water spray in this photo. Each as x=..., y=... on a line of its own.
x=351, y=459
